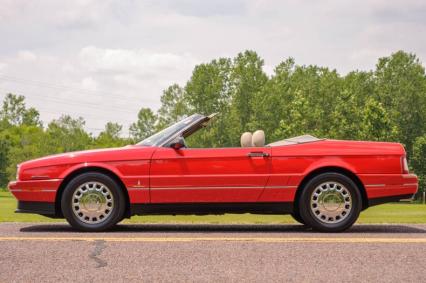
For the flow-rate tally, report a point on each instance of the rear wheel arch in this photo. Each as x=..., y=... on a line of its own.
x=90, y=169
x=331, y=169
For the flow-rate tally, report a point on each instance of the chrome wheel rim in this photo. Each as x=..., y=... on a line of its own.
x=92, y=202
x=331, y=202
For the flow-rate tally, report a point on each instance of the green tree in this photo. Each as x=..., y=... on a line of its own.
x=24, y=143
x=303, y=99
x=145, y=126
x=418, y=161
x=208, y=91
x=67, y=134
x=4, y=161
x=173, y=106
x=401, y=88
x=248, y=78
x=20, y=133
x=110, y=137
x=357, y=89
x=297, y=123
x=375, y=123
x=14, y=111
x=272, y=104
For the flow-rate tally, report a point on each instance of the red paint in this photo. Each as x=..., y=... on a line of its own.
x=208, y=175
x=166, y=175
x=35, y=190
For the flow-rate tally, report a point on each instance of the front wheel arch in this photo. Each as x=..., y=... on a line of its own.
x=77, y=172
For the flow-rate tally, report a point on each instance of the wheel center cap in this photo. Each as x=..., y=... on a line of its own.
x=92, y=202
x=331, y=202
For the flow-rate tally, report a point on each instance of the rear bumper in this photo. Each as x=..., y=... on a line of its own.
x=381, y=200
x=389, y=187
x=36, y=196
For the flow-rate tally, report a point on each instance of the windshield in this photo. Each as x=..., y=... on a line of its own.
x=163, y=135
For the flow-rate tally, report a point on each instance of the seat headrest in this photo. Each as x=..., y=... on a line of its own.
x=246, y=139
x=258, y=138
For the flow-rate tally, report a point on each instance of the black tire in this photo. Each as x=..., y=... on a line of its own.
x=296, y=216
x=115, y=214
x=310, y=214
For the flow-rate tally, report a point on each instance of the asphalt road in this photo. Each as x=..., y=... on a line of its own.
x=33, y=252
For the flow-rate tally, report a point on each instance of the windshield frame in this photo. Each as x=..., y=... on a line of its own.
x=195, y=120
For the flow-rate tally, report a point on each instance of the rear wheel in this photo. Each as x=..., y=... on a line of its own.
x=93, y=202
x=330, y=202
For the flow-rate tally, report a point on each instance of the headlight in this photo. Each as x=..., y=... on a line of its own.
x=17, y=172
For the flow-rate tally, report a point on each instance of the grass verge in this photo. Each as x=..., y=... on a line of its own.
x=386, y=213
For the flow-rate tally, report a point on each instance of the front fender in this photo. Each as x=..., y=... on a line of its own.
x=75, y=167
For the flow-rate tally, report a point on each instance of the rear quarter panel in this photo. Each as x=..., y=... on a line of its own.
x=370, y=161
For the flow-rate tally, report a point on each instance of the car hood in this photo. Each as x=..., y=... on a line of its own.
x=131, y=152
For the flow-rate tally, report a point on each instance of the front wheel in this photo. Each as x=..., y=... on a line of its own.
x=296, y=216
x=93, y=202
x=330, y=202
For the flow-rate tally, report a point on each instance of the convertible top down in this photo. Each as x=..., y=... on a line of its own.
x=322, y=183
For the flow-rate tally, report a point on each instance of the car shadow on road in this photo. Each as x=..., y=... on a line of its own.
x=229, y=228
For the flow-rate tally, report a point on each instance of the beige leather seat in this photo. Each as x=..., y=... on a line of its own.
x=246, y=139
x=258, y=138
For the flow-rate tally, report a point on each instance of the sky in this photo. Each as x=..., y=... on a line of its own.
x=104, y=60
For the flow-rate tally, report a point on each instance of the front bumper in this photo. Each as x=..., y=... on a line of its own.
x=36, y=196
x=35, y=190
x=37, y=207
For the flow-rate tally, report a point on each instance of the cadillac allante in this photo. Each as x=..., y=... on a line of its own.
x=322, y=183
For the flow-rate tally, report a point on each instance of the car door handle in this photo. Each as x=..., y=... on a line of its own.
x=258, y=154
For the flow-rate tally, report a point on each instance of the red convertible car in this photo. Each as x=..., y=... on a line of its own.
x=322, y=183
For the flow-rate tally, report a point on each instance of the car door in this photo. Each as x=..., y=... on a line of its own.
x=223, y=175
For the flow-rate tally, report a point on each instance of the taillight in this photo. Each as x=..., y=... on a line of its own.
x=17, y=172
x=404, y=165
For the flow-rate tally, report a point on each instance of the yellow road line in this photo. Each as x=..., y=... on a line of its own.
x=221, y=239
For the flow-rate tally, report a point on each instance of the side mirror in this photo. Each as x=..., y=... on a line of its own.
x=178, y=143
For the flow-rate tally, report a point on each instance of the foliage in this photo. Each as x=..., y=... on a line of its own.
x=22, y=136
x=419, y=160
x=4, y=160
x=384, y=104
x=110, y=137
x=173, y=107
x=145, y=126
x=14, y=112
x=67, y=134
x=401, y=88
